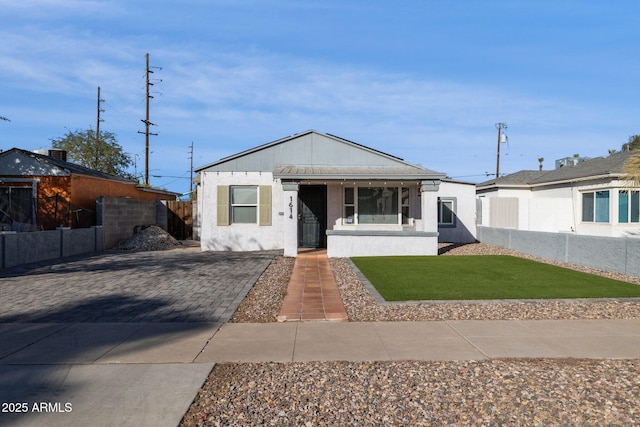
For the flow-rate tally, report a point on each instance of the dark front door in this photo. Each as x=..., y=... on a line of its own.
x=312, y=216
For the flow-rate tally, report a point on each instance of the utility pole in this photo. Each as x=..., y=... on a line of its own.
x=191, y=174
x=500, y=126
x=98, y=119
x=147, y=123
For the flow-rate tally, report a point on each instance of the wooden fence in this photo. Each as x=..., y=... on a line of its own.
x=180, y=219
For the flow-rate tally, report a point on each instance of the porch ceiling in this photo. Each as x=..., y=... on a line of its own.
x=354, y=173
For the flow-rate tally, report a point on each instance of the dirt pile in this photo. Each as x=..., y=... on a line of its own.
x=152, y=238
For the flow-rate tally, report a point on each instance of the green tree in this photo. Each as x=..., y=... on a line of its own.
x=99, y=152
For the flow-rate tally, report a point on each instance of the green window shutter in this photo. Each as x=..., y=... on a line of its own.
x=223, y=205
x=265, y=205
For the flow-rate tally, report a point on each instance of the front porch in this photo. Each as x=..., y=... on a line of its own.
x=356, y=217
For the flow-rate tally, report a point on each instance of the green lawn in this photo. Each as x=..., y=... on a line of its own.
x=483, y=277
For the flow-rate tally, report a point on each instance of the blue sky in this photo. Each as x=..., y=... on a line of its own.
x=423, y=80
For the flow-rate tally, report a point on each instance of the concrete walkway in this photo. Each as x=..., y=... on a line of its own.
x=443, y=340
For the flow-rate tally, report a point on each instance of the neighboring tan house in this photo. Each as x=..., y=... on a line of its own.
x=315, y=190
x=589, y=197
x=42, y=192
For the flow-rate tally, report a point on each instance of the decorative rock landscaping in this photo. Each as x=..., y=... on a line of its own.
x=532, y=392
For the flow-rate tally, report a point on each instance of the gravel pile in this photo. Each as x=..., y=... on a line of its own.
x=152, y=238
x=509, y=392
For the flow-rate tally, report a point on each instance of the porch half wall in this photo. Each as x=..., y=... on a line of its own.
x=349, y=243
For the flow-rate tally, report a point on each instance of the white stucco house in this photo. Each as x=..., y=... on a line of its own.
x=316, y=190
x=589, y=197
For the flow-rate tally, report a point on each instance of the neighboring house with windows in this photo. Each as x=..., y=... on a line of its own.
x=44, y=191
x=315, y=190
x=589, y=197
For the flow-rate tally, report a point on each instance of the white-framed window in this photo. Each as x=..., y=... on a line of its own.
x=628, y=206
x=376, y=205
x=446, y=211
x=595, y=206
x=244, y=204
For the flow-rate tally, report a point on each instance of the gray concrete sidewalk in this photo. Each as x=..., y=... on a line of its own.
x=101, y=374
x=444, y=340
x=147, y=374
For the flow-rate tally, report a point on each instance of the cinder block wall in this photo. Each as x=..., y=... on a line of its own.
x=162, y=214
x=120, y=215
x=616, y=254
x=24, y=248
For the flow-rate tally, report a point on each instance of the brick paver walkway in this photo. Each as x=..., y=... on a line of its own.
x=182, y=285
x=312, y=293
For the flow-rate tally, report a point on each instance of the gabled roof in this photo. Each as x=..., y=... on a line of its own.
x=49, y=166
x=312, y=154
x=610, y=167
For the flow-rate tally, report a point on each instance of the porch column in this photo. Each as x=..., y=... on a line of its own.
x=290, y=208
x=429, y=205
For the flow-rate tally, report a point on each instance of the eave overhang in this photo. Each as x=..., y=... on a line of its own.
x=297, y=173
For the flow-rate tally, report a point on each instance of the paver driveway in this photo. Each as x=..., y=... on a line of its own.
x=182, y=285
x=115, y=335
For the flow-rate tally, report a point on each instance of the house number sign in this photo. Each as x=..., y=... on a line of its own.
x=290, y=207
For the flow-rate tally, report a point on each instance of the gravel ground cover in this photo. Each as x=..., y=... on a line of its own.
x=535, y=392
x=262, y=303
x=508, y=392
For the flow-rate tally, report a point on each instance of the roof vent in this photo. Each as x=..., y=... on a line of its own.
x=569, y=161
x=53, y=153
x=58, y=155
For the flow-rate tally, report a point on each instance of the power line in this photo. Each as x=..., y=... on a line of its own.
x=170, y=176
